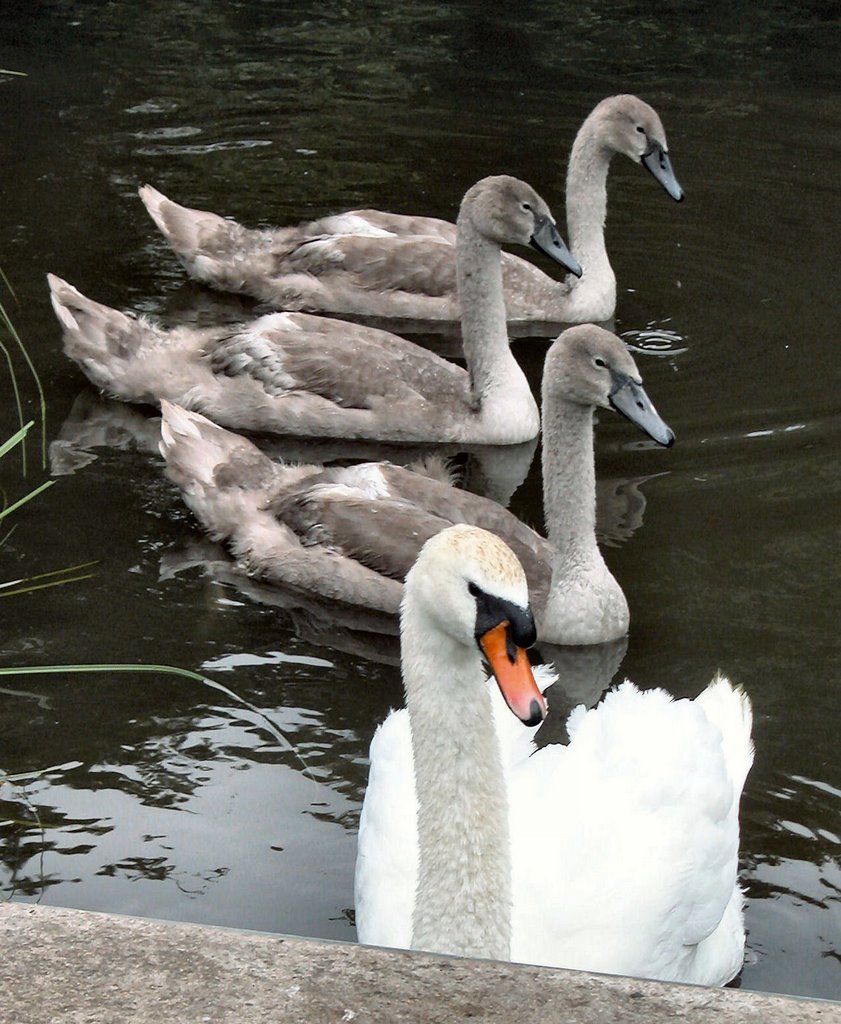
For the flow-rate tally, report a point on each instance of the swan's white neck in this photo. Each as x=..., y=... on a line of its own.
x=463, y=897
x=499, y=388
x=585, y=603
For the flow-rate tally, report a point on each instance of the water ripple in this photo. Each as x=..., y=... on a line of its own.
x=209, y=147
x=655, y=340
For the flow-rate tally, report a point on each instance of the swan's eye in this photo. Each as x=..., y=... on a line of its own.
x=598, y=361
x=640, y=129
x=473, y=589
x=527, y=206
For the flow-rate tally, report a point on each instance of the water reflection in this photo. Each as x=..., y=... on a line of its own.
x=95, y=422
x=803, y=873
x=360, y=632
x=584, y=674
x=158, y=820
x=173, y=862
x=494, y=472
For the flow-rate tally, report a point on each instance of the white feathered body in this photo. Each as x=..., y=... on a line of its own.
x=624, y=843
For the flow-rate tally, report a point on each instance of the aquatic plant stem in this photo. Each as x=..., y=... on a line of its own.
x=18, y=406
x=32, y=670
x=10, y=327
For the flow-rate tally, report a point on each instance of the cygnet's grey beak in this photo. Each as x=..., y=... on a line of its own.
x=547, y=240
x=629, y=398
x=656, y=160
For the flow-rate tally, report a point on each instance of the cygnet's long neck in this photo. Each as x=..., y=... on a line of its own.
x=569, y=482
x=585, y=604
x=499, y=388
x=463, y=897
x=586, y=209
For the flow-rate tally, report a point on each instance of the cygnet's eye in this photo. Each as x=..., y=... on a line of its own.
x=527, y=206
x=598, y=361
x=640, y=129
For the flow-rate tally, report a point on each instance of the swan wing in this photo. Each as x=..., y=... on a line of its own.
x=381, y=515
x=459, y=506
x=333, y=512
x=379, y=221
x=387, y=855
x=417, y=265
x=350, y=364
x=637, y=824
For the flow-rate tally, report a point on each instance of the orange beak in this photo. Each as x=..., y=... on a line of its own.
x=515, y=677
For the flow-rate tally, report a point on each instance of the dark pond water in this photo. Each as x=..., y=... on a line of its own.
x=170, y=799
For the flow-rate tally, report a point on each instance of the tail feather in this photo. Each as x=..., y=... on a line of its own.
x=102, y=341
x=61, y=295
x=232, y=487
x=729, y=707
x=437, y=467
x=80, y=315
x=189, y=232
x=224, y=477
x=197, y=450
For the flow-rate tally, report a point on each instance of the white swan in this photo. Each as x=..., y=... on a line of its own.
x=351, y=533
x=617, y=853
x=372, y=263
x=292, y=373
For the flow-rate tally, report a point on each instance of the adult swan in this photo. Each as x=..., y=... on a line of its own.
x=617, y=853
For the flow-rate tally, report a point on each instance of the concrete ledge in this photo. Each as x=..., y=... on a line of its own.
x=71, y=966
